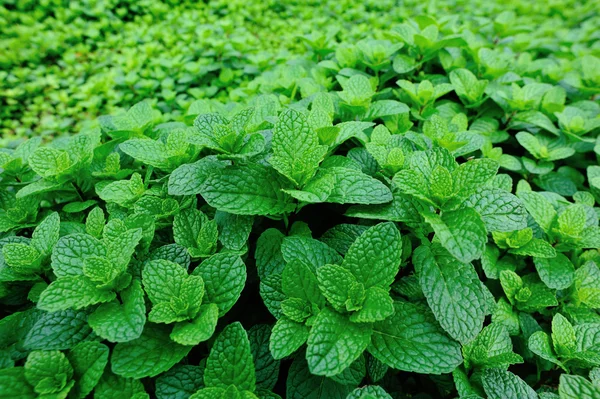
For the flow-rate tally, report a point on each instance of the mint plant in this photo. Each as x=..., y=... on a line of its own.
x=294, y=200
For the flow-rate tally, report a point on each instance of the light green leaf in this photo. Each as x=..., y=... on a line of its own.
x=296, y=149
x=395, y=343
x=334, y=343
x=461, y=232
x=230, y=360
x=287, y=336
x=374, y=258
x=121, y=322
x=73, y=292
x=250, y=190
x=88, y=360
x=500, y=210
x=500, y=384
x=453, y=291
x=224, y=277
x=149, y=355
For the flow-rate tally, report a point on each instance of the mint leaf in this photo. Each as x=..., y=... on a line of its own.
x=88, y=360
x=74, y=292
x=121, y=322
x=395, y=343
x=461, y=232
x=334, y=343
x=574, y=386
x=374, y=258
x=500, y=210
x=147, y=356
x=200, y=329
x=287, y=336
x=230, y=361
x=224, y=277
x=296, y=152
x=500, y=384
x=453, y=291
x=252, y=190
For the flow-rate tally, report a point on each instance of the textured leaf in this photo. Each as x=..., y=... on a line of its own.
x=88, y=360
x=180, y=382
x=500, y=210
x=147, y=356
x=230, y=360
x=500, y=384
x=121, y=322
x=58, y=330
x=251, y=190
x=374, y=258
x=411, y=340
x=334, y=343
x=287, y=336
x=453, y=291
x=354, y=187
x=224, y=277
x=74, y=292
x=461, y=232
x=296, y=149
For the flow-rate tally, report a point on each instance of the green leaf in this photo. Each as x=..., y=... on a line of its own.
x=121, y=322
x=88, y=360
x=180, y=382
x=466, y=85
x=234, y=230
x=377, y=306
x=539, y=208
x=335, y=283
x=453, y=291
x=369, y=392
x=115, y=387
x=577, y=387
x=250, y=190
x=149, y=355
x=224, y=277
x=46, y=234
x=500, y=210
x=266, y=367
x=563, y=336
x=472, y=175
x=189, y=178
x=491, y=348
x=354, y=187
x=539, y=343
x=461, y=232
x=296, y=149
x=287, y=336
x=74, y=292
x=395, y=343
x=200, y=329
x=70, y=252
x=374, y=258
x=334, y=343
x=299, y=281
x=49, y=162
x=48, y=372
x=58, y=330
x=192, y=229
x=122, y=192
x=309, y=251
x=301, y=384
x=230, y=360
x=557, y=273
x=14, y=385
x=500, y=384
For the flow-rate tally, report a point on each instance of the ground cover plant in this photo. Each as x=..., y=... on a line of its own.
x=300, y=200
